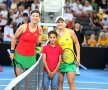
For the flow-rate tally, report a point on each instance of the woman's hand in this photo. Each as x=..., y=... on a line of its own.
x=11, y=56
x=77, y=61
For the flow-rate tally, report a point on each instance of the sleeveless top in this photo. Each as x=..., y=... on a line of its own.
x=66, y=42
x=27, y=42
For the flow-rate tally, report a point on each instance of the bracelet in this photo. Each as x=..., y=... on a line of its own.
x=12, y=51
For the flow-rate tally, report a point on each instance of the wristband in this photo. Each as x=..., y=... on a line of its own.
x=12, y=51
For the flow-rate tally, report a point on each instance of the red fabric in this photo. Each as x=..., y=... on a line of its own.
x=27, y=42
x=70, y=24
x=52, y=56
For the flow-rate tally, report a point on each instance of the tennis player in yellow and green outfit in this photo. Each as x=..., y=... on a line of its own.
x=67, y=42
x=66, y=38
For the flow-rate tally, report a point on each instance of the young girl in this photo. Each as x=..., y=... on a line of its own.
x=102, y=40
x=92, y=41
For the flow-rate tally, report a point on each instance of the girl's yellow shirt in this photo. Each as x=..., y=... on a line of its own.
x=103, y=42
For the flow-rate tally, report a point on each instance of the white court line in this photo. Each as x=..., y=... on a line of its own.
x=6, y=79
x=87, y=82
x=3, y=85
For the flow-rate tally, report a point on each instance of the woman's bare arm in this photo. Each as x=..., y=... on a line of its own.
x=77, y=46
x=19, y=31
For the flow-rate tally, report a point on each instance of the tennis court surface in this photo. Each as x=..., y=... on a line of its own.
x=91, y=79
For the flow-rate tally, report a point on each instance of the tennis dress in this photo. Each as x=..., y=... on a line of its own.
x=67, y=42
x=25, y=52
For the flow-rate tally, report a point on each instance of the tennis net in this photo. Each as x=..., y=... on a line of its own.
x=30, y=79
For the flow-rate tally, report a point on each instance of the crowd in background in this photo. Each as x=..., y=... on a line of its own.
x=92, y=15
x=12, y=14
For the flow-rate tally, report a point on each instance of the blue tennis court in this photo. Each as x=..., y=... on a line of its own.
x=91, y=79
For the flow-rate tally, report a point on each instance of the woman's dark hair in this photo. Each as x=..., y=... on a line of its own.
x=35, y=11
x=52, y=32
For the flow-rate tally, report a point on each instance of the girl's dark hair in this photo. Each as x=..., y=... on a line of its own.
x=52, y=32
x=35, y=11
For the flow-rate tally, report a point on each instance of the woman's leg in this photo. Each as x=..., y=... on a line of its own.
x=70, y=78
x=61, y=79
x=17, y=71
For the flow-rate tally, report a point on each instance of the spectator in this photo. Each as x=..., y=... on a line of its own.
x=8, y=3
x=4, y=16
x=20, y=14
x=83, y=2
x=25, y=19
x=101, y=14
x=94, y=4
x=20, y=3
x=78, y=31
x=34, y=5
x=105, y=29
x=87, y=8
x=27, y=3
x=92, y=41
x=103, y=5
x=94, y=21
x=72, y=24
x=8, y=31
x=12, y=15
x=13, y=4
x=102, y=40
x=28, y=11
x=73, y=5
x=105, y=21
x=67, y=3
x=68, y=16
x=79, y=9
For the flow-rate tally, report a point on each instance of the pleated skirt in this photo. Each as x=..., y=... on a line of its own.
x=70, y=67
x=25, y=61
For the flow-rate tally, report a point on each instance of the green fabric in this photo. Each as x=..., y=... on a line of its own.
x=70, y=67
x=25, y=61
x=38, y=49
x=94, y=5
